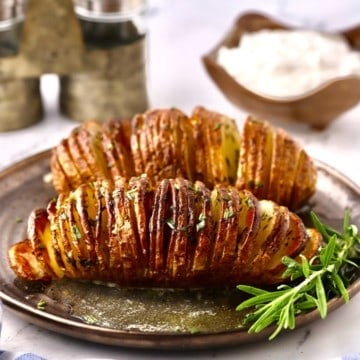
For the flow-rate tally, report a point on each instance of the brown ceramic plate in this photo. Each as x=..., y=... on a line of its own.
x=139, y=318
x=317, y=107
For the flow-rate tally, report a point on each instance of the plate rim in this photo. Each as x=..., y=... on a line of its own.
x=155, y=340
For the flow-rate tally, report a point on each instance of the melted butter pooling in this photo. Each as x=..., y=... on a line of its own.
x=145, y=310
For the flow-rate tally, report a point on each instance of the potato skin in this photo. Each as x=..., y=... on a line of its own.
x=175, y=234
x=273, y=165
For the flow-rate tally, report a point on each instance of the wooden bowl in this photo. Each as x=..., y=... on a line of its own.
x=317, y=107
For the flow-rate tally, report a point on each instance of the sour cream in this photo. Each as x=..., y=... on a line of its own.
x=283, y=63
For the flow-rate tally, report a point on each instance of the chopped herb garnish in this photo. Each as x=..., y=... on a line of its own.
x=130, y=194
x=194, y=330
x=184, y=229
x=63, y=216
x=76, y=232
x=90, y=319
x=217, y=126
x=228, y=214
x=201, y=222
x=252, y=184
x=249, y=203
x=41, y=305
x=170, y=223
x=18, y=220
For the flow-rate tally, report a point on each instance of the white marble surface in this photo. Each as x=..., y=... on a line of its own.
x=180, y=31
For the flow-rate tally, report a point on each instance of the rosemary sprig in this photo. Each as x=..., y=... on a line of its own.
x=315, y=281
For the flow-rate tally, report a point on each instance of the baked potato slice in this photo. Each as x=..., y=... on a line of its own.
x=131, y=252
x=141, y=199
x=255, y=157
x=159, y=228
x=64, y=167
x=60, y=243
x=61, y=222
x=181, y=223
x=271, y=225
x=110, y=238
x=26, y=264
x=162, y=145
x=249, y=222
x=283, y=174
x=273, y=165
x=217, y=142
x=225, y=207
x=305, y=181
x=116, y=147
x=42, y=242
x=90, y=139
x=295, y=240
x=101, y=227
x=273, y=244
x=311, y=246
x=77, y=235
x=203, y=230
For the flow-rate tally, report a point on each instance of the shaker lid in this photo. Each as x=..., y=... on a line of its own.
x=108, y=9
x=12, y=9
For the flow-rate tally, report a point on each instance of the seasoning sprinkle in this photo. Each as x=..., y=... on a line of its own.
x=90, y=319
x=130, y=193
x=201, y=223
x=41, y=305
x=76, y=232
x=170, y=223
x=228, y=214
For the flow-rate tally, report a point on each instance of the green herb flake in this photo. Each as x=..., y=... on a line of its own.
x=249, y=203
x=170, y=223
x=41, y=305
x=217, y=126
x=195, y=330
x=130, y=194
x=90, y=319
x=228, y=214
x=201, y=222
x=252, y=184
x=76, y=232
x=18, y=220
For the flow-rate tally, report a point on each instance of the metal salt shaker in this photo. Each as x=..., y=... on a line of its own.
x=20, y=99
x=113, y=84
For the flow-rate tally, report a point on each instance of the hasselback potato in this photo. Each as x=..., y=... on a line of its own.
x=205, y=146
x=178, y=234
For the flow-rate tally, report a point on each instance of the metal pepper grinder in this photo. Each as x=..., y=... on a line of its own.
x=20, y=100
x=113, y=82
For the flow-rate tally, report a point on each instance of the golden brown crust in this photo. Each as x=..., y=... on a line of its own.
x=273, y=166
x=161, y=144
x=206, y=146
x=178, y=234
